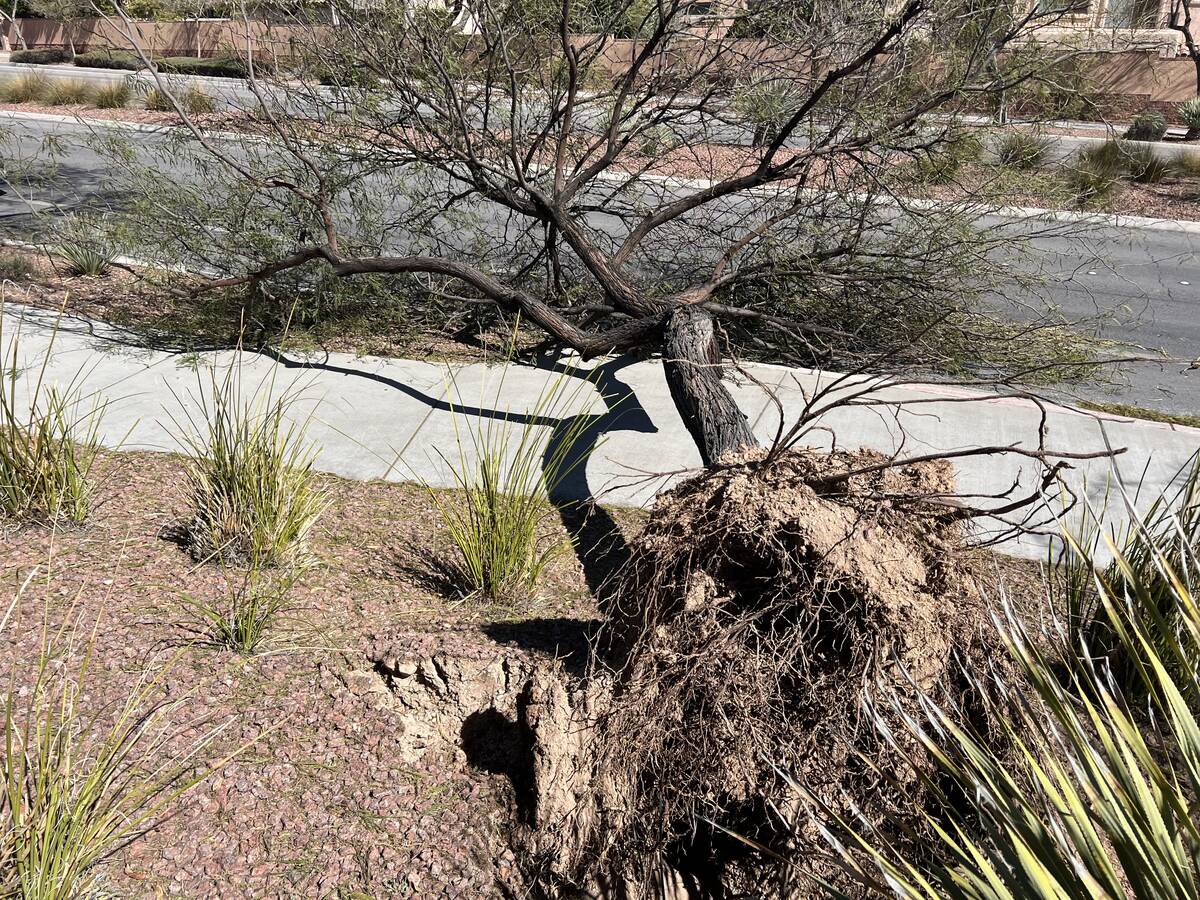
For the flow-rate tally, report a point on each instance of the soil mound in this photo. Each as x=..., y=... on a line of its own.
x=761, y=605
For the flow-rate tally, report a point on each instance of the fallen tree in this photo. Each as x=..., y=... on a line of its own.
x=518, y=167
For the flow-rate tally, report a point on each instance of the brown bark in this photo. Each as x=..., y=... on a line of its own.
x=693, y=368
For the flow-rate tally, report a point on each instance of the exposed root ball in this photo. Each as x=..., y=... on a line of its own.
x=761, y=604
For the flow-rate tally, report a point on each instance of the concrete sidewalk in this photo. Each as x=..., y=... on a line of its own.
x=395, y=419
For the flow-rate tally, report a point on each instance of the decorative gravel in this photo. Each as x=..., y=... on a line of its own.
x=332, y=797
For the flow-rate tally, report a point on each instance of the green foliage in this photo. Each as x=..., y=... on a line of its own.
x=1145, y=165
x=247, y=616
x=505, y=472
x=196, y=101
x=619, y=18
x=773, y=19
x=1098, y=796
x=942, y=163
x=1097, y=172
x=70, y=92
x=1189, y=113
x=1147, y=126
x=1167, y=532
x=29, y=88
x=1186, y=165
x=1049, y=85
x=193, y=100
x=109, y=59
x=157, y=100
x=1022, y=151
x=216, y=67
x=766, y=107
x=113, y=96
x=78, y=786
x=657, y=140
x=254, y=492
x=48, y=444
x=85, y=256
x=49, y=56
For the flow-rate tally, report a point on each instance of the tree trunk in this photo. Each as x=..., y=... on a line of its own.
x=693, y=369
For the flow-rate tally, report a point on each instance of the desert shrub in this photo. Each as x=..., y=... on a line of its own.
x=765, y=106
x=1147, y=126
x=49, y=56
x=69, y=92
x=48, y=444
x=1022, y=151
x=29, y=88
x=505, y=473
x=1186, y=165
x=196, y=101
x=250, y=472
x=941, y=163
x=78, y=787
x=113, y=96
x=1100, y=799
x=1189, y=113
x=1145, y=165
x=657, y=140
x=158, y=101
x=1097, y=171
x=217, y=67
x=193, y=100
x=109, y=59
x=15, y=266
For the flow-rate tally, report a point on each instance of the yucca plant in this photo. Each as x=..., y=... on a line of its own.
x=254, y=490
x=1189, y=112
x=1169, y=525
x=49, y=438
x=86, y=257
x=79, y=784
x=1098, y=796
x=505, y=472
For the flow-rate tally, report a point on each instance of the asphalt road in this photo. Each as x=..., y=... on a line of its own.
x=1147, y=277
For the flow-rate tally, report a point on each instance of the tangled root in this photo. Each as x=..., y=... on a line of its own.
x=761, y=605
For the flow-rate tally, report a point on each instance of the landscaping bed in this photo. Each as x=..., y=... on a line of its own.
x=374, y=727
x=342, y=787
